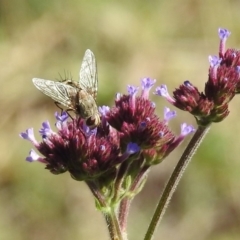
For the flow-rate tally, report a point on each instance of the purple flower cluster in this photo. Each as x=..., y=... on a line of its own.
x=130, y=133
x=222, y=85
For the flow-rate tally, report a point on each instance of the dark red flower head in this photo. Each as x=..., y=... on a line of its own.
x=129, y=132
x=222, y=85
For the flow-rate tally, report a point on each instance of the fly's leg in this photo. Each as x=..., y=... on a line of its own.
x=67, y=111
x=58, y=105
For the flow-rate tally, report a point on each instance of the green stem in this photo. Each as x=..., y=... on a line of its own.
x=108, y=212
x=175, y=178
x=113, y=225
x=119, y=180
x=126, y=202
x=95, y=191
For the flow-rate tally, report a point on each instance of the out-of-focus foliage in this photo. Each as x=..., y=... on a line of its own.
x=167, y=40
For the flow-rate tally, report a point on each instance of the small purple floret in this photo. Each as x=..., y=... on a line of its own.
x=46, y=130
x=102, y=148
x=223, y=33
x=61, y=120
x=132, y=148
x=132, y=90
x=142, y=126
x=162, y=91
x=153, y=104
x=188, y=84
x=118, y=96
x=29, y=135
x=214, y=61
x=33, y=156
x=61, y=117
x=238, y=69
x=161, y=134
x=88, y=131
x=104, y=110
x=186, y=129
x=147, y=83
x=168, y=114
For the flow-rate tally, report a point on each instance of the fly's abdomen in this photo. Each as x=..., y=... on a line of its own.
x=86, y=106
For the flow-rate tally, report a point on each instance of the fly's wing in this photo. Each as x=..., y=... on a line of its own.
x=88, y=74
x=59, y=92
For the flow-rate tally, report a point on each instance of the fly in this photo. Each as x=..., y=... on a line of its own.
x=80, y=96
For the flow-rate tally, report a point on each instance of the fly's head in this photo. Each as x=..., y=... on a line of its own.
x=93, y=121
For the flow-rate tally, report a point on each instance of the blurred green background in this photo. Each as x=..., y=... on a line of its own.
x=167, y=40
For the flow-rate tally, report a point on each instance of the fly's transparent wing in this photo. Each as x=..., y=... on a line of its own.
x=59, y=92
x=88, y=74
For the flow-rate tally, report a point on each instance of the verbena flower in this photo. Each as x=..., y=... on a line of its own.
x=130, y=134
x=222, y=85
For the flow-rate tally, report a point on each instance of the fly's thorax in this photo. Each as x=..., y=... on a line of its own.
x=86, y=106
x=71, y=83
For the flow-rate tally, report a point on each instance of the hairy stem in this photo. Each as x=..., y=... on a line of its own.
x=113, y=225
x=108, y=212
x=125, y=203
x=175, y=178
